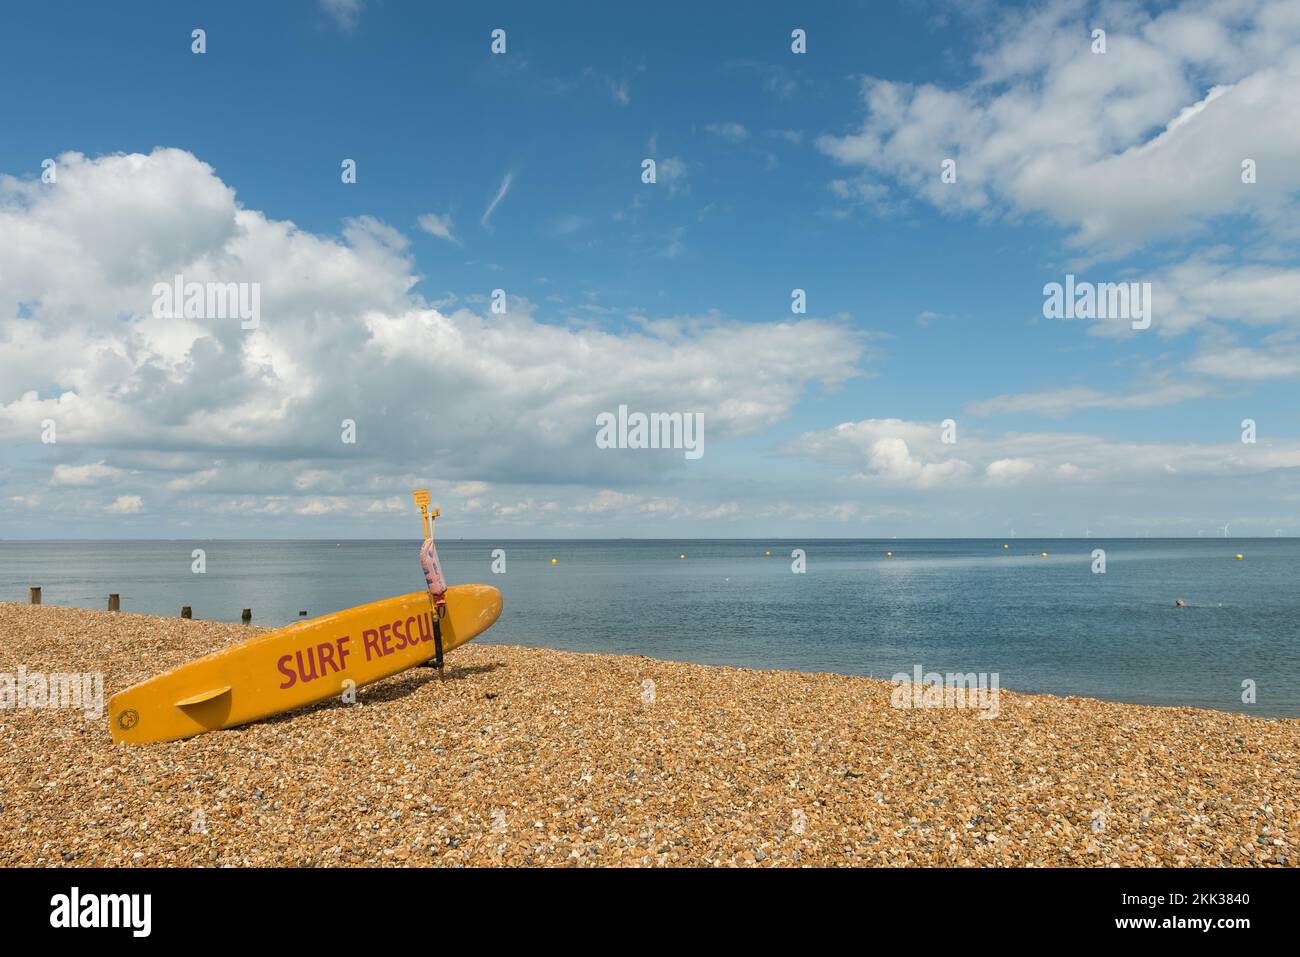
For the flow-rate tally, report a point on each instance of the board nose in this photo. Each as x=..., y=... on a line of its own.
x=483, y=602
x=492, y=606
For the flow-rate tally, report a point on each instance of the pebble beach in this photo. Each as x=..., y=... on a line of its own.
x=533, y=757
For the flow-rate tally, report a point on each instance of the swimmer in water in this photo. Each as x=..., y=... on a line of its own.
x=1179, y=603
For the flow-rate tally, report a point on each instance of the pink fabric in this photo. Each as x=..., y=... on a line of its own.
x=432, y=570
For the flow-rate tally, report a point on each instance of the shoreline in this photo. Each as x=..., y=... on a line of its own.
x=1261, y=714
x=537, y=757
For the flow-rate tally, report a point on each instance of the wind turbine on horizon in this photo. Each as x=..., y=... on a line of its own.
x=1225, y=529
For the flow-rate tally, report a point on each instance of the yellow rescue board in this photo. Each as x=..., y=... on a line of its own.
x=306, y=663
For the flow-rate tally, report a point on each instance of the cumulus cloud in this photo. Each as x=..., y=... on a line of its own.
x=83, y=475
x=1205, y=288
x=1011, y=471
x=896, y=452
x=1144, y=141
x=440, y=226
x=887, y=450
x=186, y=407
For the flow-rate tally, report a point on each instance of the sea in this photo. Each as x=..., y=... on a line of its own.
x=1038, y=613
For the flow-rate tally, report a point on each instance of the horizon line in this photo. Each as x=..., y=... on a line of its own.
x=634, y=538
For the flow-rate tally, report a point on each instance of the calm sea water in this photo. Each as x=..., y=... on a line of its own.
x=1043, y=624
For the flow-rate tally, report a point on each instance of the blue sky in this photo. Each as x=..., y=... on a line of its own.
x=777, y=171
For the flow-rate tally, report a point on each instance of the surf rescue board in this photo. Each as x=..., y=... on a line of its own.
x=303, y=664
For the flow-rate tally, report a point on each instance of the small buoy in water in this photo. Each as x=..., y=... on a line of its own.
x=1006, y=546
x=555, y=561
x=1240, y=556
x=1044, y=554
x=338, y=546
x=889, y=554
x=768, y=553
x=681, y=556
x=1179, y=603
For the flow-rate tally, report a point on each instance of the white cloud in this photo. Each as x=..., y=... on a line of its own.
x=608, y=500
x=125, y=505
x=888, y=450
x=1245, y=364
x=1048, y=127
x=895, y=452
x=440, y=226
x=892, y=460
x=83, y=475
x=500, y=195
x=1011, y=471
x=324, y=506
x=1205, y=288
x=252, y=418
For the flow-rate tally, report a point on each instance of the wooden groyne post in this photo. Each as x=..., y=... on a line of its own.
x=187, y=612
x=247, y=616
x=114, y=602
x=34, y=595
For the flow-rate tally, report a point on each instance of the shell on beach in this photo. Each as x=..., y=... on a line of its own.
x=534, y=757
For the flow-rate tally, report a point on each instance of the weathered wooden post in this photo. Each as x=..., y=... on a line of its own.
x=248, y=615
x=114, y=603
x=34, y=595
x=187, y=612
